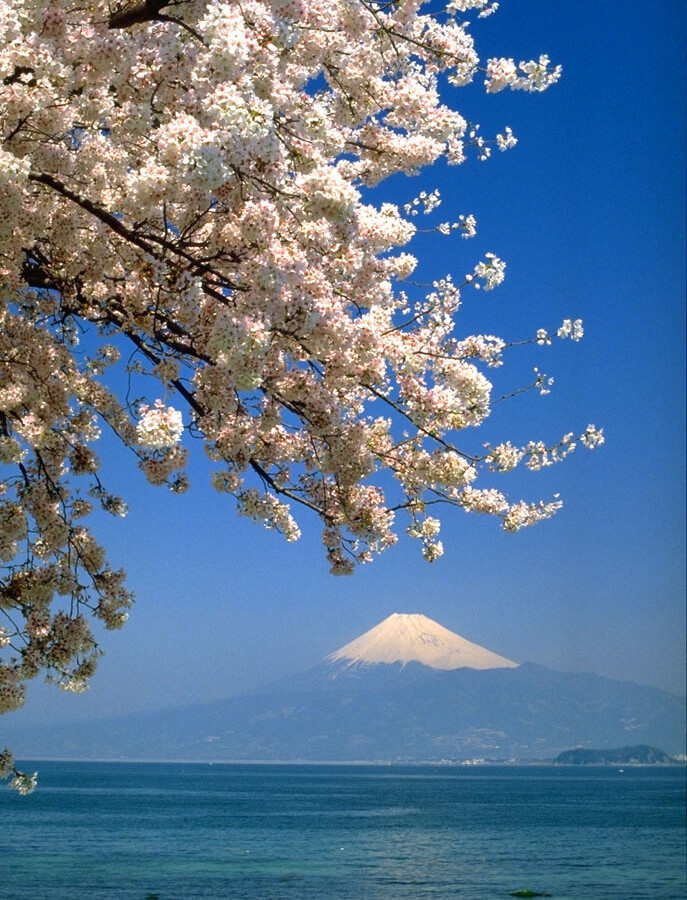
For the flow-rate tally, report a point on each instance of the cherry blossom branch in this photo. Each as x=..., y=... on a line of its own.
x=130, y=235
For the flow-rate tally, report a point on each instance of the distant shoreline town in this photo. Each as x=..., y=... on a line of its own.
x=633, y=757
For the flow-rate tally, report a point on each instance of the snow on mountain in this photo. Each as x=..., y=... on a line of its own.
x=406, y=637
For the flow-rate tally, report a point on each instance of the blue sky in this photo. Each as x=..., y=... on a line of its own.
x=588, y=212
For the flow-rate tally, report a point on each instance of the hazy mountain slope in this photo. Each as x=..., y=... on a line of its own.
x=407, y=689
x=389, y=712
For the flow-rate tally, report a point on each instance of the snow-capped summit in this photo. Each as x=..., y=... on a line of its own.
x=411, y=637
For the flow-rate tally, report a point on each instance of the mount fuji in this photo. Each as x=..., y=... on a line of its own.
x=406, y=690
x=405, y=638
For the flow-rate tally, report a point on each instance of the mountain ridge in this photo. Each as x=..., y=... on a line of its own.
x=350, y=706
x=399, y=712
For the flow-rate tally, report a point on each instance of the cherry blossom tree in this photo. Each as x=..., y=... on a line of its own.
x=184, y=195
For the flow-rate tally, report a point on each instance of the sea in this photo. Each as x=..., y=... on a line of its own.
x=175, y=831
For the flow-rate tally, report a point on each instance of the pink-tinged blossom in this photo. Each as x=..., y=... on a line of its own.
x=500, y=74
x=522, y=515
x=592, y=437
x=159, y=427
x=572, y=330
x=485, y=7
x=504, y=457
x=507, y=140
x=491, y=272
x=532, y=76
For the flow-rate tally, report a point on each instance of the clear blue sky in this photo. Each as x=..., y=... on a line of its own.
x=588, y=212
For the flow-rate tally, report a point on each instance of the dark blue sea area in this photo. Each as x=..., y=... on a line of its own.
x=168, y=831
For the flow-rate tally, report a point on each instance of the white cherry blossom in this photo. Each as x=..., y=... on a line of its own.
x=159, y=427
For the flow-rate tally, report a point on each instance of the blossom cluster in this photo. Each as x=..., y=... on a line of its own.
x=428, y=202
x=491, y=272
x=21, y=782
x=159, y=427
x=537, y=454
x=531, y=76
x=507, y=140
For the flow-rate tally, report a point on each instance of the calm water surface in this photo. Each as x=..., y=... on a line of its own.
x=95, y=831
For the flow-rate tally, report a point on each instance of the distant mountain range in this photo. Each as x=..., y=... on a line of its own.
x=407, y=690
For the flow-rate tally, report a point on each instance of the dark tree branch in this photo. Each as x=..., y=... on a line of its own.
x=137, y=13
x=105, y=217
x=17, y=74
x=146, y=244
